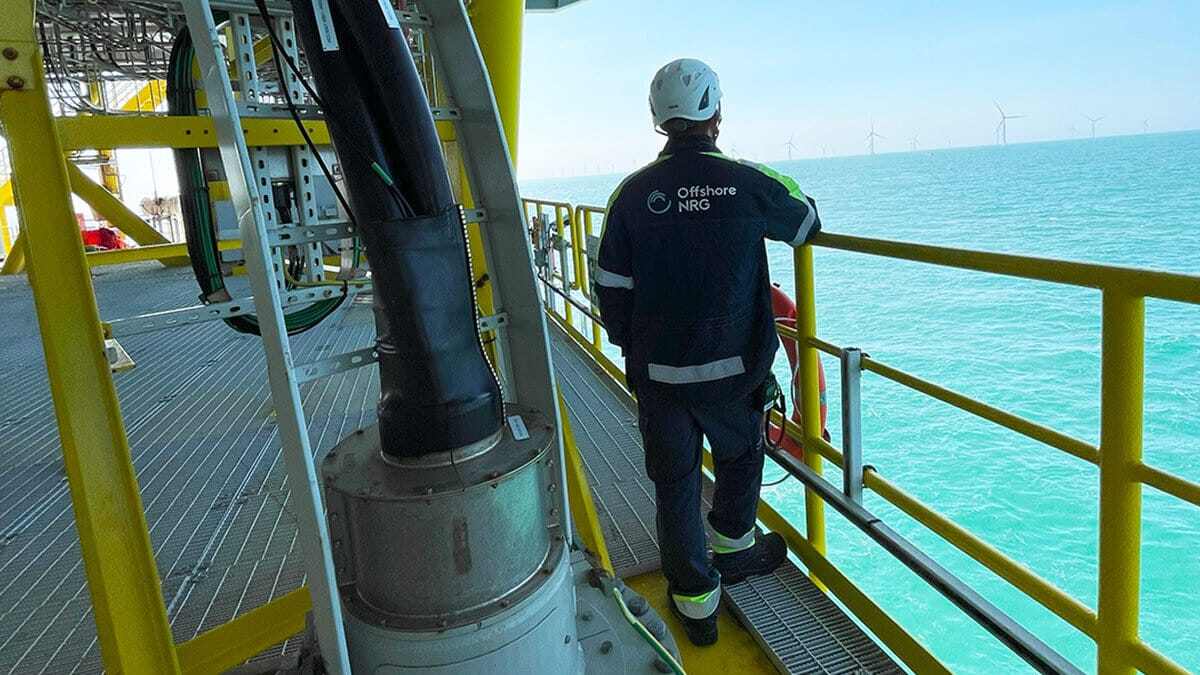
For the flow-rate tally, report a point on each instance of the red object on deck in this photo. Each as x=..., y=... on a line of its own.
x=784, y=310
x=104, y=238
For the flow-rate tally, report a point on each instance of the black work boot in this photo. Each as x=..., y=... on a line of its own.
x=768, y=552
x=701, y=632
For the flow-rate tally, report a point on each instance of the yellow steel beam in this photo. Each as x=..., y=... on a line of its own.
x=131, y=621
x=579, y=494
x=161, y=252
x=229, y=644
x=1171, y=484
x=112, y=209
x=1037, y=432
x=182, y=131
x=497, y=25
x=499, y=29
x=6, y=198
x=1165, y=285
x=1122, y=379
x=14, y=263
x=148, y=98
x=810, y=390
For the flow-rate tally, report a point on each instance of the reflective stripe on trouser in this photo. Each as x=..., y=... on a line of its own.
x=704, y=372
x=673, y=433
x=722, y=544
x=698, y=606
x=612, y=279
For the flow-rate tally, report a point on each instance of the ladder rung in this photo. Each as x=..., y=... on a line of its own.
x=313, y=370
x=185, y=316
x=413, y=19
x=295, y=235
x=446, y=113
x=306, y=372
x=475, y=215
x=492, y=322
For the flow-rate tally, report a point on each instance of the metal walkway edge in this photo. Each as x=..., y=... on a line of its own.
x=799, y=626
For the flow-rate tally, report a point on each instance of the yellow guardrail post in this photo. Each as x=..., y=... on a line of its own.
x=1121, y=385
x=806, y=326
x=131, y=621
x=583, y=217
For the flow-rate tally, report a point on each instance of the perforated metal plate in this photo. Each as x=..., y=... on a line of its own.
x=800, y=628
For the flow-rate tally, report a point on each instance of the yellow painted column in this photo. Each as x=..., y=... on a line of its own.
x=14, y=263
x=131, y=621
x=806, y=326
x=5, y=236
x=498, y=26
x=1122, y=379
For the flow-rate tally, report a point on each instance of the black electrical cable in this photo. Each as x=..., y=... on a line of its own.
x=277, y=52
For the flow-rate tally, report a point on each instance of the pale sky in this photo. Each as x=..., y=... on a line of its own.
x=823, y=71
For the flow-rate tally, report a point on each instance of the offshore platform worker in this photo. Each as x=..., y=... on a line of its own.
x=683, y=288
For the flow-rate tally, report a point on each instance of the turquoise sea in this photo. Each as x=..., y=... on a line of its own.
x=1029, y=347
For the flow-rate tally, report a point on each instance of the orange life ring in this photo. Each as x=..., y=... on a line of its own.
x=784, y=309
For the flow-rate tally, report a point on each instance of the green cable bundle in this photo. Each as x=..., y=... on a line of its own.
x=196, y=209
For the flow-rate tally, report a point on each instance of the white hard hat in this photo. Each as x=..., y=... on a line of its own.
x=684, y=88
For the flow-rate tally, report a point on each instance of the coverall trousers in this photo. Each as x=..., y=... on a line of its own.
x=673, y=433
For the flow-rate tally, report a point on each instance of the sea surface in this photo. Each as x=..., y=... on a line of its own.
x=1032, y=348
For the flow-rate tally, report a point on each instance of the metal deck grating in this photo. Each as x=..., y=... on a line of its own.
x=801, y=629
x=207, y=456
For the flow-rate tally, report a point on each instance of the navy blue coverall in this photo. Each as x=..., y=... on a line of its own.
x=683, y=287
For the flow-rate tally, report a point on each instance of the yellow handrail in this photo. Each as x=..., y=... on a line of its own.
x=1128, y=280
x=1114, y=624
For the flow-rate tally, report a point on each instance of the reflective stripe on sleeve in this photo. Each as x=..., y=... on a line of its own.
x=722, y=544
x=612, y=279
x=705, y=372
x=698, y=606
x=805, y=227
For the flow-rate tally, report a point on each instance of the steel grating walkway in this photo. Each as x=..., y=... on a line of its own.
x=801, y=629
x=207, y=456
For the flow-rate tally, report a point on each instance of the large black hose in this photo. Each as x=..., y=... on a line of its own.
x=438, y=391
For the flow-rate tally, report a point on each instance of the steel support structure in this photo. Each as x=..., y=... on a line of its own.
x=131, y=621
x=852, y=452
x=810, y=401
x=285, y=392
x=1122, y=380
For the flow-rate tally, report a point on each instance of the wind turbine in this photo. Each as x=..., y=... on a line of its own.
x=1002, y=127
x=1145, y=126
x=914, y=143
x=790, y=145
x=1093, y=120
x=871, y=136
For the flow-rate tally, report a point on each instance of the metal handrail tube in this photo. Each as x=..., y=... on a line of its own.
x=1128, y=280
x=1019, y=576
x=1037, y=432
x=1024, y=644
x=1027, y=428
x=1118, y=646
x=587, y=311
x=1169, y=483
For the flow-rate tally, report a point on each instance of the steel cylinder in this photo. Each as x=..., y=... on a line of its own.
x=446, y=539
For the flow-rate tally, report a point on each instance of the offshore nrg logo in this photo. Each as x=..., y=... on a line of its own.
x=658, y=203
x=699, y=197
